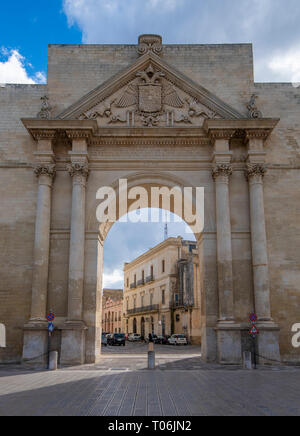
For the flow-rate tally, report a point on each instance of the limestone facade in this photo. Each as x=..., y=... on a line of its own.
x=112, y=316
x=162, y=291
x=156, y=115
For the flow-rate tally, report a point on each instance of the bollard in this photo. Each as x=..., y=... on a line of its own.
x=53, y=361
x=247, y=360
x=151, y=359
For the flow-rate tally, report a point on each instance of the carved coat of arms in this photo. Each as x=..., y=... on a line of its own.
x=153, y=100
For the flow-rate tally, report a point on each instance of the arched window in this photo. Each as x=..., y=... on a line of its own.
x=2, y=336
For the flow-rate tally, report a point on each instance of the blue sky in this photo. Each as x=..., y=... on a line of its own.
x=26, y=29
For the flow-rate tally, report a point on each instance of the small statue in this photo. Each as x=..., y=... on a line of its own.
x=45, y=112
x=252, y=108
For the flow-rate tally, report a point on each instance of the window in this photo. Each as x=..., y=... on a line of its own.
x=163, y=266
x=127, y=282
x=151, y=271
x=163, y=297
x=143, y=276
x=151, y=298
x=116, y=316
x=134, y=302
x=142, y=300
x=134, y=280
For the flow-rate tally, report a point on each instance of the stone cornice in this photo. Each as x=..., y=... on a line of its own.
x=51, y=129
x=257, y=134
x=227, y=134
x=79, y=134
x=260, y=127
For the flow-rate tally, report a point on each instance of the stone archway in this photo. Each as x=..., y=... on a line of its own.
x=153, y=126
x=221, y=332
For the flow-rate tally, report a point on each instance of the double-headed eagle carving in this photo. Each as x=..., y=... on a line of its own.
x=149, y=88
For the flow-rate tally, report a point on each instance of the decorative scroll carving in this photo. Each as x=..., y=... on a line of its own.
x=255, y=172
x=150, y=43
x=252, y=108
x=221, y=170
x=45, y=170
x=151, y=100
x=45, y=112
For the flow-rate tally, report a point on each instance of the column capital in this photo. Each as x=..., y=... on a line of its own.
x=45, y=172
x=221, y=172
x=79, y=171
x=255, y=172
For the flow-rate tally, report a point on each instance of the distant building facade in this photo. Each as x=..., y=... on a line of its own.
x=162, y=291
x=112, y=310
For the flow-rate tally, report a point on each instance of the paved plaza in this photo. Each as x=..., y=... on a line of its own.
x=121, y=385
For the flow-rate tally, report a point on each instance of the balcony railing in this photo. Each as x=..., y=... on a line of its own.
x=141, y=282
x=143, y=309
x=150, y=279
x=133, y=286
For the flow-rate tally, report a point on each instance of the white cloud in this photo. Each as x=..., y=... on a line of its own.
x=286, y=65
x=270, y=25
x=110, y=280
x=13, y=69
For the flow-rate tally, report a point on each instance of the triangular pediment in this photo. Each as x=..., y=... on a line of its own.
x=150, y=93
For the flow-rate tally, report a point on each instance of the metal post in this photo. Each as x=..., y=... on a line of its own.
x=254, y=352
x=49, y=348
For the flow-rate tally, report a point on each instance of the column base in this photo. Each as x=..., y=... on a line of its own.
x=35, y=345
x=73, y=343
x=268, y=343
x=229, y=343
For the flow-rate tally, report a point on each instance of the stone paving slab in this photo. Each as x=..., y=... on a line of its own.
x=71, y=392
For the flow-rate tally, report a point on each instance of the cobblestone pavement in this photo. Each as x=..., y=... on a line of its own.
x=180, y=386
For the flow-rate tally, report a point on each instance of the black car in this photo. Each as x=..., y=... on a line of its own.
x=116, y=339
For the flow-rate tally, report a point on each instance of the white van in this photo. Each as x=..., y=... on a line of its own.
x=177, y=340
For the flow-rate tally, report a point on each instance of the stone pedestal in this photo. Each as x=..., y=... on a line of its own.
x=35, y=346
x=73, y=343
x=229, y=343
x=268, y=344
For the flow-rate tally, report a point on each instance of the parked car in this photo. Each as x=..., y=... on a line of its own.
x=162, y=340
x=104, y=339
x=116, y=339
x=177, y=340
x=134, y=337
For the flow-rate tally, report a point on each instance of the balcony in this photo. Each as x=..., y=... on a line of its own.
x=133, y=286
x=141, y=282
x=150, y=279
x=144, y=309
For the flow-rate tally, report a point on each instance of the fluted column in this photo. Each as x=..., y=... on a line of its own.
x=255, y=173
x=45, y=174
x=79, y=173
x=221, y=174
